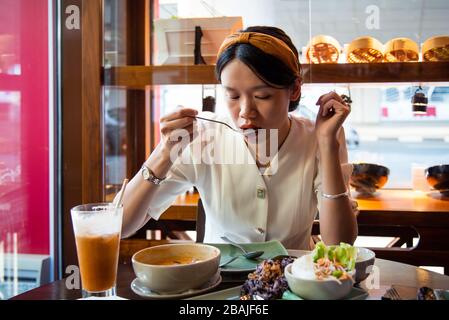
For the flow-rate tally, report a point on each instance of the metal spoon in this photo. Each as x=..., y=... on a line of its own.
x=226, y=239
x=248, y=255
x=216, y=121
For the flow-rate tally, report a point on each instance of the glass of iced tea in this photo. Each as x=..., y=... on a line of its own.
x=97, y=230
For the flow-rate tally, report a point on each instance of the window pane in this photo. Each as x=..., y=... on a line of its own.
x=115, y=139
x=114, y=32
x=383, y=129
x=114, y=99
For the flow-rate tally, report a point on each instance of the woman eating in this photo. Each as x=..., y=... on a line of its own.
x=270, y=197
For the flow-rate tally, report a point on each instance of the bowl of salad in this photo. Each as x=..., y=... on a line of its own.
x=325, y=274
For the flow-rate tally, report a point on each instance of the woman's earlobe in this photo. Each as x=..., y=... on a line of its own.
x=296, y=91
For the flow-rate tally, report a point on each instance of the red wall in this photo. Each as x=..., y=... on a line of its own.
x=24, y=125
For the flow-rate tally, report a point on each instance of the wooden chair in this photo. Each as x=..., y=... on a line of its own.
x=200, y=222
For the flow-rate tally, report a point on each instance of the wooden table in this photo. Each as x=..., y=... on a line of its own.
x=388, y=200
x=407, y=214
x=390, y=273
x=402, y=214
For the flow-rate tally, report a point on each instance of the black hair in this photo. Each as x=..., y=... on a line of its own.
x=268, y=68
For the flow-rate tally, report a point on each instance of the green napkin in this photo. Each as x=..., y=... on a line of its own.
x=288, y=295
x=271, y=249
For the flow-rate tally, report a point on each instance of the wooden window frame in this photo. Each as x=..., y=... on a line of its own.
x=82, y=177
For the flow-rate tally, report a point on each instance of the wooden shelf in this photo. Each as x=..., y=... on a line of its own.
x=377, y=72
x=138, y=77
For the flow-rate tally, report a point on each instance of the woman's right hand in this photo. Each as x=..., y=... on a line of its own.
x=177, y=127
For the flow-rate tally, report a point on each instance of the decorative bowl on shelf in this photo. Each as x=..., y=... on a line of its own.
x=366, y=178
x=436, y=49
x=365, y=50
x=401, y=50
x=323, y=49
x=438, y=178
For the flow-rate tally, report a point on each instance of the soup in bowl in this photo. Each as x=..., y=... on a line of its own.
x=175, y=268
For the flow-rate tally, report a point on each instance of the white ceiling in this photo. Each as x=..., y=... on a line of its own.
x=342, y=19
x=345, y=19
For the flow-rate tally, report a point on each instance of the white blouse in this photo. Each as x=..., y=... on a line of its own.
x=239, y=201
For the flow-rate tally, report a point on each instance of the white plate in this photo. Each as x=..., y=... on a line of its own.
x=145, y=292
x=234, y=294
x=104, y=298
x=226, y=294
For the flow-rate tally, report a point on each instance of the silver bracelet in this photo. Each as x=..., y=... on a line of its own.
x=336, y=196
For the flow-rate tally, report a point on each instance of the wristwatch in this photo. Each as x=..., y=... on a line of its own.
x=149, y=176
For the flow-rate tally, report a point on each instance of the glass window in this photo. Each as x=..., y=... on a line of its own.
x=114, y=99
x=114, y=32
x=382, y=127
x=114, y=102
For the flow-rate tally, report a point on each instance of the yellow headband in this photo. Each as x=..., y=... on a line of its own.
x=268, y=44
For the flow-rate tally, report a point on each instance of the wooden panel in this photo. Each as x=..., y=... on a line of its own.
x=82, y=154
x=140, y=76
x=71, y=177
x=92, y=112
x=137, y=53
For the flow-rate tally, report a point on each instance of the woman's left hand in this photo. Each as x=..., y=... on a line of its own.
x=333, y=112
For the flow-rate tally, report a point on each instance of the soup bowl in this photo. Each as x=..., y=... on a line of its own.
x=175, y=268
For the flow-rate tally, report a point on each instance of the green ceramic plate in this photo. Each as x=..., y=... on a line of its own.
x=271, y=249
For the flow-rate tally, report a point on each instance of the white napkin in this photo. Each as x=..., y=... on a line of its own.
x=103, y=298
